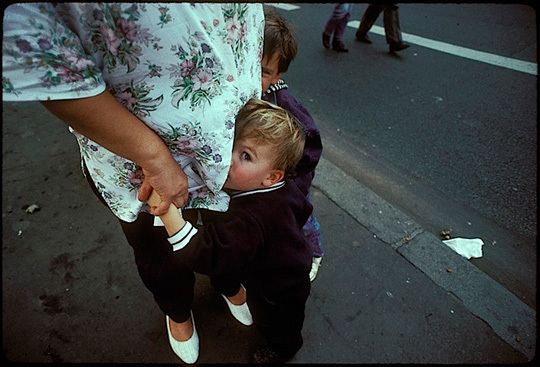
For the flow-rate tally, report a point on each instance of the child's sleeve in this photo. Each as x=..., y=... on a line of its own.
x=221, y=246
x=181, y=239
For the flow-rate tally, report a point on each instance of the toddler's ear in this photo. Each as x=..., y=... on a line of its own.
x=274, y=176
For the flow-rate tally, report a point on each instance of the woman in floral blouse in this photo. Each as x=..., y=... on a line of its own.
x=150, y=92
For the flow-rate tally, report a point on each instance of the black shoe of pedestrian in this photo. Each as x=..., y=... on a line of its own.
x=363, y=38
x=399, y=47
x=268, y=356
x=325, y=40
x=339, y=46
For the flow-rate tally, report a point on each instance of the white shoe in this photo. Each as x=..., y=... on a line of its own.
x=240, y=312
x=188, y=350
x=315, y=267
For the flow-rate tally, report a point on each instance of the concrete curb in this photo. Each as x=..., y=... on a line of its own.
x=508, y=316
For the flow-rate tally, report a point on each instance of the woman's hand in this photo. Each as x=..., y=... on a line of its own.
x=168, y=180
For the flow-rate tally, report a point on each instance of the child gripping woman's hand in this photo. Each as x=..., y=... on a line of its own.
x=172, y=219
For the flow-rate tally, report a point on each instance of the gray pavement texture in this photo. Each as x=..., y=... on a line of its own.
x=387, y=291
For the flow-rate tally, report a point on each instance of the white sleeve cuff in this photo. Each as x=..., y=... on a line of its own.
x=180, y=240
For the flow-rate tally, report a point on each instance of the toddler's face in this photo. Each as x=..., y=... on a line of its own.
x=269, y=70
x=251, y=166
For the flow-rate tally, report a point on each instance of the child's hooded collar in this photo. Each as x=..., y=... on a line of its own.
x=277, y=87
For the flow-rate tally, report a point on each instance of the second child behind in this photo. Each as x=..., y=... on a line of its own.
x=280, y=48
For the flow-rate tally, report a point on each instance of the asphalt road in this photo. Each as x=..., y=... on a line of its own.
x=448, y=140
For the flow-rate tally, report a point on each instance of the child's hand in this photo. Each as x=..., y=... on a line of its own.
x=154, y=200
x=172, y=219
x=167, y=178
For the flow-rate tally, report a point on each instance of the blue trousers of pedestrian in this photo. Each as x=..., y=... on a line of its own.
x=338, y=20
x=312, y=230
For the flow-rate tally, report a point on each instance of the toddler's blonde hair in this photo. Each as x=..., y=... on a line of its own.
x=272, y=125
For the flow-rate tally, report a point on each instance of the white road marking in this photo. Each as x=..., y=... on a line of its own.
x=485, y=57
x=284, y=6
x=502, y=61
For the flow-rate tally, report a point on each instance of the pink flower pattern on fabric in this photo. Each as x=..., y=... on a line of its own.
x=183, y=69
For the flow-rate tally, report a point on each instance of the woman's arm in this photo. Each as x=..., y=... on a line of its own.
x=104, y=120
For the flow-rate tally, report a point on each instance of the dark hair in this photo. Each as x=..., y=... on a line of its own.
x=279, y=38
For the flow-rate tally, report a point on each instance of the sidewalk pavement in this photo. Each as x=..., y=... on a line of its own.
x=387, y=291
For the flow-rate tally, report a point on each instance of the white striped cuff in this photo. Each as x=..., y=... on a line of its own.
x=180, y=240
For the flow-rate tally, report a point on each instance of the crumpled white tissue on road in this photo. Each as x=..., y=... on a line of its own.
x=466, y=247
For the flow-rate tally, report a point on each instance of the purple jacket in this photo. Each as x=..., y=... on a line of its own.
x=280, y=95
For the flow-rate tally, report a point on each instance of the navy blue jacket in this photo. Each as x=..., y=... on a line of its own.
x=259, y=239
x=280, y=95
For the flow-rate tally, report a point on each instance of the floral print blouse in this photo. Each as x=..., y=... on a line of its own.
x=185, y=69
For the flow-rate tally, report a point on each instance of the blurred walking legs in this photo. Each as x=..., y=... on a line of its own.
x=336, y=26
x=392, y=28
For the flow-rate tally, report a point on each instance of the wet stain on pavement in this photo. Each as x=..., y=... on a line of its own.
x=329, y=321
x=58, y=335
x=55, y=304
x=52, y=303
x=350, y=318
x=93, y=251
x=64, y=261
